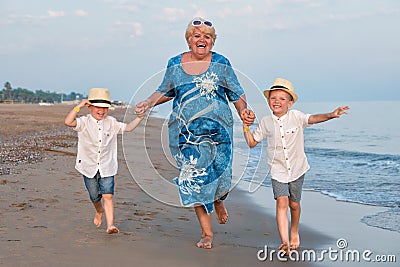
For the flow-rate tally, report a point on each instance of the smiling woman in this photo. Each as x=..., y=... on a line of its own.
x=200, y=37
x=201, y=84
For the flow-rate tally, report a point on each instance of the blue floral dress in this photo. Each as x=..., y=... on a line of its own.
x=201, y=128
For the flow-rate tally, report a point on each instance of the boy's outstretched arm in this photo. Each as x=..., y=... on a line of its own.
x=249, y=136
x=70, y=120
x=317, y=118
x=133, y=124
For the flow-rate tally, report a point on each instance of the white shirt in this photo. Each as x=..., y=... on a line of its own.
x=97, y=145
x=287, y=160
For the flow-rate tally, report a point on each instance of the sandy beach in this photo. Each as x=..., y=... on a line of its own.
x=46, y=216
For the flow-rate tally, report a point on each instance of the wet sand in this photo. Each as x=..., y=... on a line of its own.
x=46, y=216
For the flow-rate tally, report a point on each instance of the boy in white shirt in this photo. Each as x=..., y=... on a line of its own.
x=97, y=151
x=286, y=157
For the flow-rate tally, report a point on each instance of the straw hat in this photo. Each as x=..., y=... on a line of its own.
x=99, y=97
x=282, y=84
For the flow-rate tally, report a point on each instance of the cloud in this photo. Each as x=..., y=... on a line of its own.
x=81, y=13
x=225, y=12
x=172, y=14
x=27, y=18
x=247, y=10
x=55, y=14
x=134, y=28
x=389, y=11
x=130, y=8
x=11, y=19
x=137, y=28
x=242, y=11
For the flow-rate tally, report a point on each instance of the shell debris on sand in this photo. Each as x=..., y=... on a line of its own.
x=31, y=149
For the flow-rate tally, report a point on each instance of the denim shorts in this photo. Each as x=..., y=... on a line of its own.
x=97, y=186
x=291, y=190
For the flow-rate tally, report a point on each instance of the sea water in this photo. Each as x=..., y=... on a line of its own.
x=355, y=158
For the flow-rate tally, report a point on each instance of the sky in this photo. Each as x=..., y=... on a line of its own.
x=331, y=50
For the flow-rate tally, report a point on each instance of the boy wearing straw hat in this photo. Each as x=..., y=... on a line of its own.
x=287, y=160
x=97, y=151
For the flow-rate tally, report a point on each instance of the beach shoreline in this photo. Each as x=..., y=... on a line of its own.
x=47, y=216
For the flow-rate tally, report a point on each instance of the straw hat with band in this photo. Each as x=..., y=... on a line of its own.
x=99, y=97
x=282, y=84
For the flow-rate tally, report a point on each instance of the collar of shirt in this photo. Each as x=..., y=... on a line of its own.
x=281, y=118
x=94, y=120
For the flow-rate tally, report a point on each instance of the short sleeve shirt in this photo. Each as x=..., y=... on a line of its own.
x=285, y=136
x=97, y=145
x=201, y=128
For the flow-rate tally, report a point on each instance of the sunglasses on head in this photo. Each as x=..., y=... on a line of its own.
x=198, y=22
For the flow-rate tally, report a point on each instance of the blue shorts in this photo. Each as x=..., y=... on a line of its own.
x=97, y=186
x=291, y=190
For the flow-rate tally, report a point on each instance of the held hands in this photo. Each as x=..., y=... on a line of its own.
x=141, y=108
x=247, y=117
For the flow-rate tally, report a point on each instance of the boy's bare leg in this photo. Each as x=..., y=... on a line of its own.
x=294, y=229
x=98, y=217
x=220, y=212
x=109, y=210
x=205, y=221
x=282, y=205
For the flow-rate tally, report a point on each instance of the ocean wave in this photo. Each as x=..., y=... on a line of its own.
x=350, y=176
x=385, y=220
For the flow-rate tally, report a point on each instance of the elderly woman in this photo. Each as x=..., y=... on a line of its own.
x=201, y=84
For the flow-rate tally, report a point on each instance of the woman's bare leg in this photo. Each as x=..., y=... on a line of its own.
x=205, y=221
x=220, y=212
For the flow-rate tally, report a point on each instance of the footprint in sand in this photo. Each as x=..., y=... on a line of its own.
x=21, y=206
x=145, y=213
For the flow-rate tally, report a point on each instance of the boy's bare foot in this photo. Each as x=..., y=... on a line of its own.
x=112, y=230
x=205, y=242
x=98, y=218
x=220, y=212
x=294, y=240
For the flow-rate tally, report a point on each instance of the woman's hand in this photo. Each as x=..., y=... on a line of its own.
x=247, y=116
x=155, y=99
x=141, y=108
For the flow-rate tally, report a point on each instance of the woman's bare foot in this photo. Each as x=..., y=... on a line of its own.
x=220, y=212
x=205, y=242
x=112, y=230
x=98, y=217
x=294, y=240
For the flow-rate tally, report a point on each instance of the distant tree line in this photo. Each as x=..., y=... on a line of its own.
x=22, y=95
